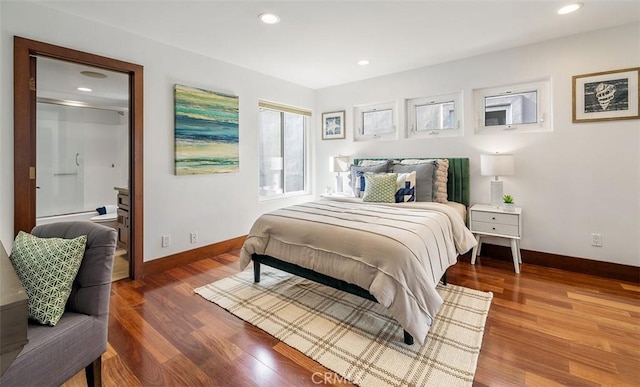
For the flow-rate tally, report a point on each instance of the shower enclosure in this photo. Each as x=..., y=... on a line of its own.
x=82, y=156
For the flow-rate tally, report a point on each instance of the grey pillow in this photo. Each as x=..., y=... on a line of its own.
x=357, y=173
x=424, y=179
x=440, y=176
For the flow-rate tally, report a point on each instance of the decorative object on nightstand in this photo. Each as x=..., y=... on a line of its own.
x=337, y=165
x=486, y=220
x=496, y=165
x=509, y=205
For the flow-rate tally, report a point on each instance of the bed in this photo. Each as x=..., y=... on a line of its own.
x=392, y=253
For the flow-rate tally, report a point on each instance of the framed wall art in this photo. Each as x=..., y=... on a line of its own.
x=333, y=125
x=608, y=95
x=206, y=132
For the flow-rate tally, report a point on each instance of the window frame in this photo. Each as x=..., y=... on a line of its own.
x=544, y=121
x=360, y=110
x=413, y=103
x=282, y=110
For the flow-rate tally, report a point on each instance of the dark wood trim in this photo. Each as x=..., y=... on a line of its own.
x=136, y=162
x=489, y=251
x=25, y=135
x=23, y=95
x=186, y=257
x=577, y=265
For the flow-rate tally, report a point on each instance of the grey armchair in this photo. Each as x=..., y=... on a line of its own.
x=55, y=354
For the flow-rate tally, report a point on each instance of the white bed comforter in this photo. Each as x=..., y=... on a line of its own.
x=398, y=252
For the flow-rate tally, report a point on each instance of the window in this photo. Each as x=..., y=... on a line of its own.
x=434, y=116
x=375, y=121
x=283, y=150
x=523, y=107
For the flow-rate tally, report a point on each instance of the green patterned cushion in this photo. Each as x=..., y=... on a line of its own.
x=47, y=267
x=380, y=188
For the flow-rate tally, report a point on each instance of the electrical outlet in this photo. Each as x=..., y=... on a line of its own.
x=194, y=237
x=596, y=240
x=166, y=240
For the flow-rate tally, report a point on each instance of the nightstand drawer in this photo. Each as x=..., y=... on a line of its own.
x=493, y=217
x=495, y=228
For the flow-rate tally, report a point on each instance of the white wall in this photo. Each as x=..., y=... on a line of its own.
x=218, y=207
x=578, y=179
x=82, y=156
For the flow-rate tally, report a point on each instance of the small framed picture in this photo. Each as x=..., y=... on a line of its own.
x=608, y=95
x=333, y=125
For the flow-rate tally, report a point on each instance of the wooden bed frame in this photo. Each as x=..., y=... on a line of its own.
x=457, y=191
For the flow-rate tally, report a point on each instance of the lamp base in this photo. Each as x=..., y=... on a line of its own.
x=339, y=185
x=496, y=193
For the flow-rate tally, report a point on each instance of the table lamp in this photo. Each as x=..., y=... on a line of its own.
x=337, y=165
x=276, y=165
x=496, y=165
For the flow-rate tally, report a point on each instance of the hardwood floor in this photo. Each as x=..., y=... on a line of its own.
x=546, y=327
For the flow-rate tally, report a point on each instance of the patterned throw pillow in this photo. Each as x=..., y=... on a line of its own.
x=440, y=179
x=380, y=188
x=406, y=187
x=47, y=267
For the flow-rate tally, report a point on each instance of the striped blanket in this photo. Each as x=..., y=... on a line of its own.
x=398, y=252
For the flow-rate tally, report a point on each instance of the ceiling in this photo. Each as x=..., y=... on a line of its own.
x=59, y=81
x=317, y=44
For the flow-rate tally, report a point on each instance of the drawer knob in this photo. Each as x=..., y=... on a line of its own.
x=493, y=228
x=493, y=218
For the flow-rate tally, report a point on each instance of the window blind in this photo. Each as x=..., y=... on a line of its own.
x=284, y=108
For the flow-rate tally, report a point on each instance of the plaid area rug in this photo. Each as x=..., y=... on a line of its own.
x=355, y=337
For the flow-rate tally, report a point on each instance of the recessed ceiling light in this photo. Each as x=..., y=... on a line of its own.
x=363, y=62
x=569, y=8
x=269, y=18
x=84, y=89
x=93, y=74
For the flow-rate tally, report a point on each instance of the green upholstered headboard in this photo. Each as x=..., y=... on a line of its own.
x=458, y=182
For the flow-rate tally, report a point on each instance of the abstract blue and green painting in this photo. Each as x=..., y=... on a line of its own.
x=206, y=131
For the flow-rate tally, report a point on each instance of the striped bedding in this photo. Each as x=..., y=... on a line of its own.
x=396, y=251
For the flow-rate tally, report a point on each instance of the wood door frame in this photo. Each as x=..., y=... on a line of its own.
x=24, y=121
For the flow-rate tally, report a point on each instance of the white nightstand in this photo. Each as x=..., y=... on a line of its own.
x=492, y=221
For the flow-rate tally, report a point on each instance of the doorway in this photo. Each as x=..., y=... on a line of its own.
x=82, y=151
x=26, y=139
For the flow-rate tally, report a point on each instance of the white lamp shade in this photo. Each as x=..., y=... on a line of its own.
x=276, y=163
x=496, y=165
x=338, y=164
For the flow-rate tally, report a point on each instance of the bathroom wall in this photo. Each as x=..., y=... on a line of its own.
x=82, y=156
